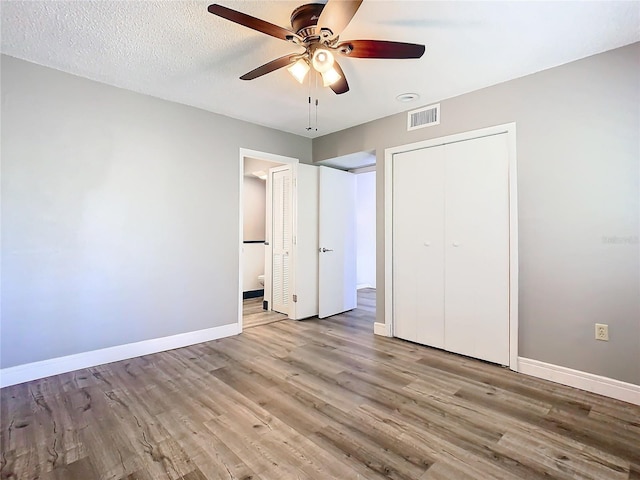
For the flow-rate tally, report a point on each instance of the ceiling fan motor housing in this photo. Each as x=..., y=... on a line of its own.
x=305, y=18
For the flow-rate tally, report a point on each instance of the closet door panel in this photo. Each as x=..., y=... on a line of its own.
x=477, y=248
x=418, y=229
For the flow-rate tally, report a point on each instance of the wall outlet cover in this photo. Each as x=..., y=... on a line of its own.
x=602, y=332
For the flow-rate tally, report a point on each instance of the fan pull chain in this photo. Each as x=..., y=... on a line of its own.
x=310, y=98
x=309, y=119
x=315, y=90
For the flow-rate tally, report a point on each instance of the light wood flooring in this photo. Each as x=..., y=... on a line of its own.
x=317, y=399
x=254, y=315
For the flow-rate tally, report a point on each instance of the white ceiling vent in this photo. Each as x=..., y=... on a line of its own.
x=423, y=117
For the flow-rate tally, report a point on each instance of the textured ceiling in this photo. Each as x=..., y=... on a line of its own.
x=178, y=51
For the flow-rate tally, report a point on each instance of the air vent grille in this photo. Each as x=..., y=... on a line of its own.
x=423, y=117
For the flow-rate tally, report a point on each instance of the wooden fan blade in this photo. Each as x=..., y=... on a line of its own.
x=380, y=49
x=251, y=22
x=270, y=67
x=341, y=86
x=337, y=14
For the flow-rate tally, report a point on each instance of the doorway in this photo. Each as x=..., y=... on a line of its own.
x=363, y=166
x=254, y=278
x=306, y=181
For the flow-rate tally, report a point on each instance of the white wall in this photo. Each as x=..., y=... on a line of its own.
x=120, y=218
x=366, y=228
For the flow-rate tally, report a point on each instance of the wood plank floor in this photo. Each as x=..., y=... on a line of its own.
x=254, y=315
x=317, y=399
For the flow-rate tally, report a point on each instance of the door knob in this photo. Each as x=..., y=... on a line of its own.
x=326, y=250
x=455, y=244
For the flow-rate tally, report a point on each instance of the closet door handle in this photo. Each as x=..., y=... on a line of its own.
x=323, y=250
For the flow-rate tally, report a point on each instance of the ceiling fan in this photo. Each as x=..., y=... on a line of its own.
x=316, y=27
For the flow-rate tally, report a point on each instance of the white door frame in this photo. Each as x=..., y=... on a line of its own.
x=270, y=157
x=510, y=130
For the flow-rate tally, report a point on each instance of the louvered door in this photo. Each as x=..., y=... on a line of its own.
x=281, y=237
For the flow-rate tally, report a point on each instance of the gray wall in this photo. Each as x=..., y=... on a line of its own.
x=254, y=206
x=578, y=147
x=254, y=217
x=119, y=214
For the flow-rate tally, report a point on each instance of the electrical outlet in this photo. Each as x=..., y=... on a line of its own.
x=602, y=332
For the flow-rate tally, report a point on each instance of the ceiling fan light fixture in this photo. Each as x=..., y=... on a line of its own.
x=330, y=77
x=299, y=70
x=322, y=60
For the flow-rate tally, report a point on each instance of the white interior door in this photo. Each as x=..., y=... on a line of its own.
x=477, y=248
x=418, y=246
x=337, y=242
x=280, y=241
x=304, y=264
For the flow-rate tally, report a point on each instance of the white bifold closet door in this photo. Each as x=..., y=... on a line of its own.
x=451, y=247
x=477, y=248
x=281, y=200
x=418, y=246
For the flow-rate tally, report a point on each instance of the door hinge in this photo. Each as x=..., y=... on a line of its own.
x=295, y=182
x=295, y=298
x=295, y=240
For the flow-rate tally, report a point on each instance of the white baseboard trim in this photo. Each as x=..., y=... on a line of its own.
x=608, y=387
x=381, y=329
x=45, y=368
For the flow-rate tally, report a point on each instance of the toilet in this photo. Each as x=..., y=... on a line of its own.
x=261, y=279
